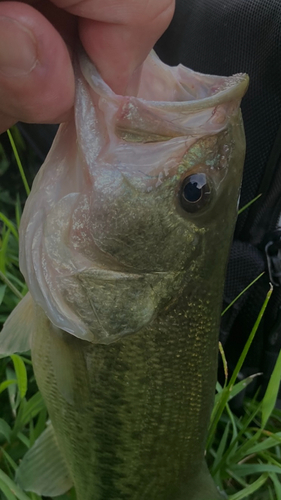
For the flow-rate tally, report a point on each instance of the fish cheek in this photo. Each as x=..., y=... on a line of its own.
x=142, y=230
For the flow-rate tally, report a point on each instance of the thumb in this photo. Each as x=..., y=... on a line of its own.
x=36, y=76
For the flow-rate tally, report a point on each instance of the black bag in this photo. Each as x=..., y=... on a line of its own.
x=226, y=37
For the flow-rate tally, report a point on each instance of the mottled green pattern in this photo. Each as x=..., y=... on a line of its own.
x=131, y=417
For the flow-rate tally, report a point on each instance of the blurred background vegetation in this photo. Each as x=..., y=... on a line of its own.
x=243, y=451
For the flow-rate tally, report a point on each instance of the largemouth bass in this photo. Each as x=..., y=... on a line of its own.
x=123, y=243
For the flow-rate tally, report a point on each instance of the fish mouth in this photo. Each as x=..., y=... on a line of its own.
x=183, y=89
x=165, y=92
x=174, y=86
x=171, y=101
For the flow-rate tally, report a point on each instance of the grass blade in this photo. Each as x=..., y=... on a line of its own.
x=243, y=470
x=18, y=211
x=277, y=485
x=269, y=399
x=5, y=429
x=20, y=374
x=221, y=447
x=19, y=164
x=4, y=385
x=6, y=490
x=251, y=338
x=224, y=362
x=12, y=487
x=10, y=285
x=9, y=225
x=4, y=250
x=2, y=292
x=225, y=395
x=249, y=204
x=256, y=485
x=266, y=444
x=243, y=291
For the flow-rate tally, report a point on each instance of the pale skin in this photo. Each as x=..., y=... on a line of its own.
x=37, y=39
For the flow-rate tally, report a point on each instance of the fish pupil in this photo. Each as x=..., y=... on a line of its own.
x=195, y=192
x=192, y=192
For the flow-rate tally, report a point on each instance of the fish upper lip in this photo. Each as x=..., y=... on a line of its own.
x=229, y=88
x=226, y=94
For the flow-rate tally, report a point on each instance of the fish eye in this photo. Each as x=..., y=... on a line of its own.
x=195, y=192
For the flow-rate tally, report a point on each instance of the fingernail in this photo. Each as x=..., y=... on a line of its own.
x=18, y=55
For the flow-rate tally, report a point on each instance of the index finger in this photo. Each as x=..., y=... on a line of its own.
x=118, y=34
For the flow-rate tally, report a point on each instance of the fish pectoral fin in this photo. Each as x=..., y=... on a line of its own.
x=43, y=469
x=16, y=333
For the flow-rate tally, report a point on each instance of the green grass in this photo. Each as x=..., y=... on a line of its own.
x=243, y=453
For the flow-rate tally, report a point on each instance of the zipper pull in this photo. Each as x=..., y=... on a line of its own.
x=272, y=250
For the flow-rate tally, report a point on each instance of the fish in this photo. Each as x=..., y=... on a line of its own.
x=124, y=242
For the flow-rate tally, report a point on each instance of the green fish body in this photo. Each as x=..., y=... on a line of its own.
x=124, y=244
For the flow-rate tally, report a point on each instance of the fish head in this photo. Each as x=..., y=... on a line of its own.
x=136, y=199
x=156, y=220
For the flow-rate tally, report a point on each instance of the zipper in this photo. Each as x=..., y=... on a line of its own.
x=272, y=250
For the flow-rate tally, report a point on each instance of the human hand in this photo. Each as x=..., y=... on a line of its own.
x=37, y=38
